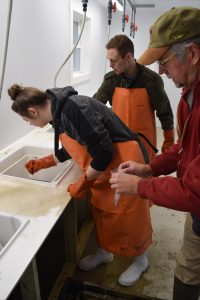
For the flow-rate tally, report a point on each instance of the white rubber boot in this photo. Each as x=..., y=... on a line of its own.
x=92, y=261
x=134, y=271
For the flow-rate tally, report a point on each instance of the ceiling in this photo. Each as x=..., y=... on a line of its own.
x=160, y=5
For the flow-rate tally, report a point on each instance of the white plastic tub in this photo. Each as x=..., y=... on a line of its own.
x=13, y=166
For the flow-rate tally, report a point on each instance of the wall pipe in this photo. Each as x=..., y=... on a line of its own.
x=124, y=15
x=5, y=49
x=132, y=5
x=132, y=25
x=133, y=8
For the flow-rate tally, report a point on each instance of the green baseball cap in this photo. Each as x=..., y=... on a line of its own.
x=176, y=25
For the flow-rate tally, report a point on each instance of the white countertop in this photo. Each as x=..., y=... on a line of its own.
x=41, y=205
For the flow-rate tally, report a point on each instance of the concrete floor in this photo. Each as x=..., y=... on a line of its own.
x=157, y=282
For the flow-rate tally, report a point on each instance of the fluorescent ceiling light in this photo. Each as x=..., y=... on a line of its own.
x=119, y=6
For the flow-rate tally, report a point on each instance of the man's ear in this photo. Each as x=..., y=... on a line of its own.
x=129, y=55
x=195, y=53
x=32, y=112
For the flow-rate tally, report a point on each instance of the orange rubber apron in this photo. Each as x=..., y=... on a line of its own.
x=124, y=229
x=133, y=107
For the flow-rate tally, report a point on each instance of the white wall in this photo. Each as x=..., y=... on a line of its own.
x=39, y=43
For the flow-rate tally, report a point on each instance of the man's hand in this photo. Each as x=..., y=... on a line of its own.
x=134, y=168
x=124, y=184
x=168, y=140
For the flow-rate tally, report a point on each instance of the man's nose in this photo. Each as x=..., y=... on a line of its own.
x=161, y=70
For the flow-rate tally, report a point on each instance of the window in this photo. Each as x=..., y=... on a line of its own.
x=80, y=70
x=77, y=52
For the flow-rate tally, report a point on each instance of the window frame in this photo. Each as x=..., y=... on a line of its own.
x=84, y=73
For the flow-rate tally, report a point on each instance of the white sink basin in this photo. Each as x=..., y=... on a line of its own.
x=13, y=166
x=10, y=228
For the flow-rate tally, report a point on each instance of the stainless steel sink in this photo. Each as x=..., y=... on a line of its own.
x=13, y=166
x=10, y=228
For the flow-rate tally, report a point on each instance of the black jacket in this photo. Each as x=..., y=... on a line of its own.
x=90, y=123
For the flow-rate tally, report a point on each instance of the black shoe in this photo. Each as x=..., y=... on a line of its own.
x=184, y=291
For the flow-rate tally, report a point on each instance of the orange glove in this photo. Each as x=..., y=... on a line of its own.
x=168, y=140
x=81, y=187
x=35, y=165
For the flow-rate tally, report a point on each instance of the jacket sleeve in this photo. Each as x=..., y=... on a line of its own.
x=181, y=194
x=160, y=102
x=88, y=129
x=62, y=155
x=166, y=163
x=106, y=90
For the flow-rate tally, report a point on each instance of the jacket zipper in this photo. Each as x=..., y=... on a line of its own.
x=181, y=139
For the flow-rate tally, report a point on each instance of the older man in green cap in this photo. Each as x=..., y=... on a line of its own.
x=175, y=45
